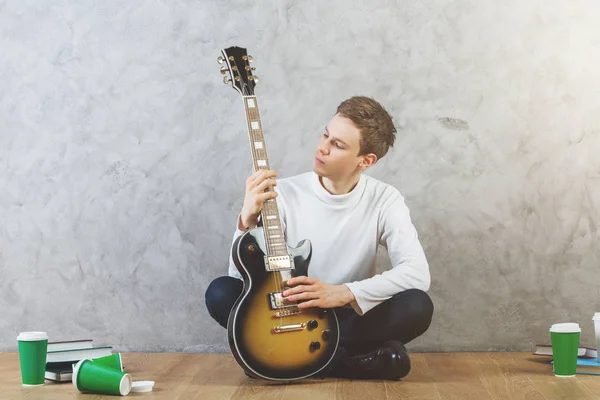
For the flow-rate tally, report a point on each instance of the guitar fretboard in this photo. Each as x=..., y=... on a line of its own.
x=270, y=214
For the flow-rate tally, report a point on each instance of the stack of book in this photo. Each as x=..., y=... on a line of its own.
x=587, y=358
x=583, y=352
x=62, y=355
x=588, y=366
x=585, y=366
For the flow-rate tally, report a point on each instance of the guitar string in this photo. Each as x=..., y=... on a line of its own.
x=273, y=210
x=255, y=158
x=259, y=137
x=277, y=275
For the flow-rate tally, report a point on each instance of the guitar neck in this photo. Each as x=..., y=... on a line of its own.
x=276, y=245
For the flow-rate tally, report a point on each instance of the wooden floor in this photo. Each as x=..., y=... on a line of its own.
x=502, y=376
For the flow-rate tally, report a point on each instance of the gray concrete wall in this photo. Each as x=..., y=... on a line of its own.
x=123, y=156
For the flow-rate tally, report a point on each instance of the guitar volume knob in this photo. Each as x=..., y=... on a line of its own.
x=312, y=324
x=314, y=346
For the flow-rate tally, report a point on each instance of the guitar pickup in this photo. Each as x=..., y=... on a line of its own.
x=277, y=301
x=279, y=263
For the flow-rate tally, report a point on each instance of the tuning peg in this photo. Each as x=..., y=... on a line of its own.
x=220, y=60
x=250, y=58
x=254, y=78
x=226, y=79
x=247, y=68
x=223, y=69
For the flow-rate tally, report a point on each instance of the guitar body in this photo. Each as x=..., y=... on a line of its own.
x=312, y=339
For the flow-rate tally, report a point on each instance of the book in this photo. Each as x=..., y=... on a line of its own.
x=61, y=365
x=584, y=352
x=59, y=374
x=586, y=366
x=70, y=345
x=77, y=354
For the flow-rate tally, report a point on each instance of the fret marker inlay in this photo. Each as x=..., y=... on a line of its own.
x=261, y=163
x=258, y=145
x=251, y=103
x=254, y=125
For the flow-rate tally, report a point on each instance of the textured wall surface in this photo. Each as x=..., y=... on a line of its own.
x=123, y=156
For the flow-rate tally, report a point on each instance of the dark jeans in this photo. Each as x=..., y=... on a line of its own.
x=403, y=317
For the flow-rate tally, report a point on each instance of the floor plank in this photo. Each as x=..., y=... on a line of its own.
x=502, y=377
x=361, y=389
x=434, y=376
x=457, y=376
x=418, y=385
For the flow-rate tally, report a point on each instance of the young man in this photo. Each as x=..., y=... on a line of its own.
x=347, y=215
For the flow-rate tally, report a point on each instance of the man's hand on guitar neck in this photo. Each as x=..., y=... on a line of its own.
x=258, y=189
x=311, y=292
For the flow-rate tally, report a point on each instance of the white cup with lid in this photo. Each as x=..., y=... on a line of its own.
x=596, y=320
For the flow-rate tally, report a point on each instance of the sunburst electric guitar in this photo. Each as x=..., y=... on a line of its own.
x=270, y=337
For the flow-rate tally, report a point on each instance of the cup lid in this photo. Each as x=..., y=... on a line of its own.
x=142, y=386
x=567, y=327
x=32, y=336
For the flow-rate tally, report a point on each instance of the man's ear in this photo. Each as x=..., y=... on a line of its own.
x=367, y=161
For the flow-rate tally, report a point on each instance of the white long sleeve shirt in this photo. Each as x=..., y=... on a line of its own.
x=345, y=231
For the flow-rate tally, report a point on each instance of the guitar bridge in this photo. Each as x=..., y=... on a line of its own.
x=289, y=328
x=279, y=263
x=287, y=313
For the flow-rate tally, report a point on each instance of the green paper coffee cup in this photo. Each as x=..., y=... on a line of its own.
x=91, y=377
x=565, y=345
x=113, y=361
x=33, y=347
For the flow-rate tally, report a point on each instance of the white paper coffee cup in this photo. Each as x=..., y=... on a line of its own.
x=596, y=320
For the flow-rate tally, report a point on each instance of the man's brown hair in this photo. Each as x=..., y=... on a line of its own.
x=377, y=131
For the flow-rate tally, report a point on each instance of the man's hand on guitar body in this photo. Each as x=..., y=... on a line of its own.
x=311, y=292
x=255, y=196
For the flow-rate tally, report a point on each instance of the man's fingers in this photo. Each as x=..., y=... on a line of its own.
x=301, y=279
x=259, y=177
x=303, y=296
x=311, y=303
x=299, y=289
x=263, y=185
x=256, y=176
x=267, y=195
x=264, y=173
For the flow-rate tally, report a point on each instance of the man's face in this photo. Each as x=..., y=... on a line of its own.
x=337, y=152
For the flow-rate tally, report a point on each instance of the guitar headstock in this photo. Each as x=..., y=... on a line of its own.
x=237, y=70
